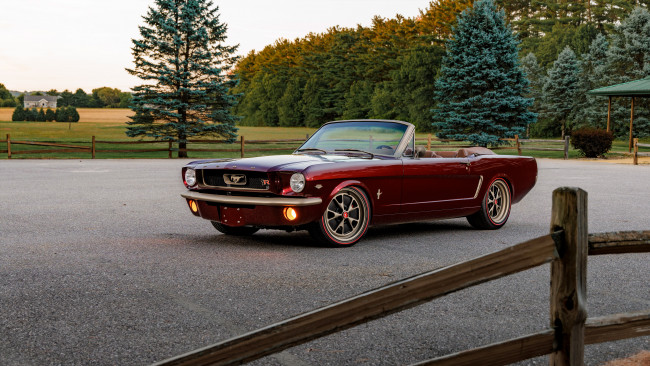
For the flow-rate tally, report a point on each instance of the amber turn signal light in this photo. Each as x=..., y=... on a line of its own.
x=290, y=213
x=193, y=206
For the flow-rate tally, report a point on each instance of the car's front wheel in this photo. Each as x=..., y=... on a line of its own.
x=345, y=219
x=234, y=230
x=495, y=208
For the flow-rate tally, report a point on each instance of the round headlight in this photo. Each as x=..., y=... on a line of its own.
x=190, y=177
x=297, y=182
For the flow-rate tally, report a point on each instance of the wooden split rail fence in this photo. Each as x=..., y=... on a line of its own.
x=518, y=144
x=90, y=147
x=566, y=248
x=636, y=152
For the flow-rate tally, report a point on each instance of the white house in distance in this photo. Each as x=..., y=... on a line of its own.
x=40, y=101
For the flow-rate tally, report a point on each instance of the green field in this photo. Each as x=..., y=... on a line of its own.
x=108, y=125
x=80, y=134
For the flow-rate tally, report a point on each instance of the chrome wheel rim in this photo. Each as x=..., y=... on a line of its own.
x=497, y=201
x=345, y=218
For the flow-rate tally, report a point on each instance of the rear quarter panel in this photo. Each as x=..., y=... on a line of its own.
x=519, y=171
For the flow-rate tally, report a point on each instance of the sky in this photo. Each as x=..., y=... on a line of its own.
x=70, y=44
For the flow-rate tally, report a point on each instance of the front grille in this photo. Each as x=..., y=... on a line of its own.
x=254, y=180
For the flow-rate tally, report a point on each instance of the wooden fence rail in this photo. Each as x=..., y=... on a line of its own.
x=291, y=144
x=636, y=152
x=519, y=144
x=91, y=146
x=566, y=248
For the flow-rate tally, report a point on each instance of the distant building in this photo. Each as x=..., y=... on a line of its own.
x=40, y=101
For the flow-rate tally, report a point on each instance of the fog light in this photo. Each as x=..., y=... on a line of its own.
x=193, y=206
x=290, y=213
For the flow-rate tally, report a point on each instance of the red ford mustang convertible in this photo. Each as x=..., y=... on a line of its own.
x=352, y=174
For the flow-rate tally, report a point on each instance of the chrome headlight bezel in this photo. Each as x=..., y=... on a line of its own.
x=190, y=177
x=297, y=182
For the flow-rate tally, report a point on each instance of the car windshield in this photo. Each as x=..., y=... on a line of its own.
x=370, y=137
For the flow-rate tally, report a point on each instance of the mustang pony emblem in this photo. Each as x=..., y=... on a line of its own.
x=235, y=179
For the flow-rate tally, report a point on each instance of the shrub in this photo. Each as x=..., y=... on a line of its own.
x=62, y=114
x=50, y=115
x=592, y=142
x=19, y=113
x=73, y=115
x=40, y=117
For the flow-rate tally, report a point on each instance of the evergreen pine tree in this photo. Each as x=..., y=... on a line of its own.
x=40, y=117
x=481, y=85
x=561, y=90
x=19, y=113
x=536, y=77
x=628, y=59
x=591, y=110
x=73, y=115
x=62, y=114
x=32, y=115
x=184, y=64
x=50, y=115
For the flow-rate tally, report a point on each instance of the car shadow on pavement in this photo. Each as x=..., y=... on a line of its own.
x=266, y=238
x=301, y=239
x=418, y=228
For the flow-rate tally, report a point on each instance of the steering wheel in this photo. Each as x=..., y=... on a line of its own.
x=383, y=147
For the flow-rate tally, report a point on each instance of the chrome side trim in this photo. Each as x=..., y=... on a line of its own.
x=480, y=182
x=255, y=201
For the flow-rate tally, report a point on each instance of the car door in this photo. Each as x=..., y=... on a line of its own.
x=434, y=184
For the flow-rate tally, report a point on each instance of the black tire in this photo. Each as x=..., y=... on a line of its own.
x=495, y=208
x=345, y=220
x=234, y=230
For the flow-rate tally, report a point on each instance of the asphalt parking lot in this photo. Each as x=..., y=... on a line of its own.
x=101, y=263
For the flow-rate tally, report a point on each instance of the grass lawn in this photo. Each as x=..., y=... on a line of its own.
x=108, y=125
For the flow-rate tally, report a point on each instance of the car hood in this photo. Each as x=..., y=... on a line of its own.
x=297, y=162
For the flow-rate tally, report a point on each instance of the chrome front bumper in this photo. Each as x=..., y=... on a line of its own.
x=254, y=201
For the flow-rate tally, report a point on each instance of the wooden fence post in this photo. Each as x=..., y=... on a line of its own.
x=636, y=151
x=566, y=147
x=518, y=144
x=429, y=142
x=242, y=146
x=170, y=149
x=569, y=276
x=8, y=146
x=93, y=147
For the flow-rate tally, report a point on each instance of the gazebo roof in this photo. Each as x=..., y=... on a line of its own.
x=633, y=88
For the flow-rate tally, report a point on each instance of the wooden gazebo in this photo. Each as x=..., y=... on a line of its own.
x=632, y=89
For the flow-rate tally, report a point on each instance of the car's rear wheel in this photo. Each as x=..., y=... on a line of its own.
x=234, y=230
x=345, y=219
x=495, y=208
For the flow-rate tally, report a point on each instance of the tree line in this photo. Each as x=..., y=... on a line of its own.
x=103, y=97
x=389, y=69
x=62, y=114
